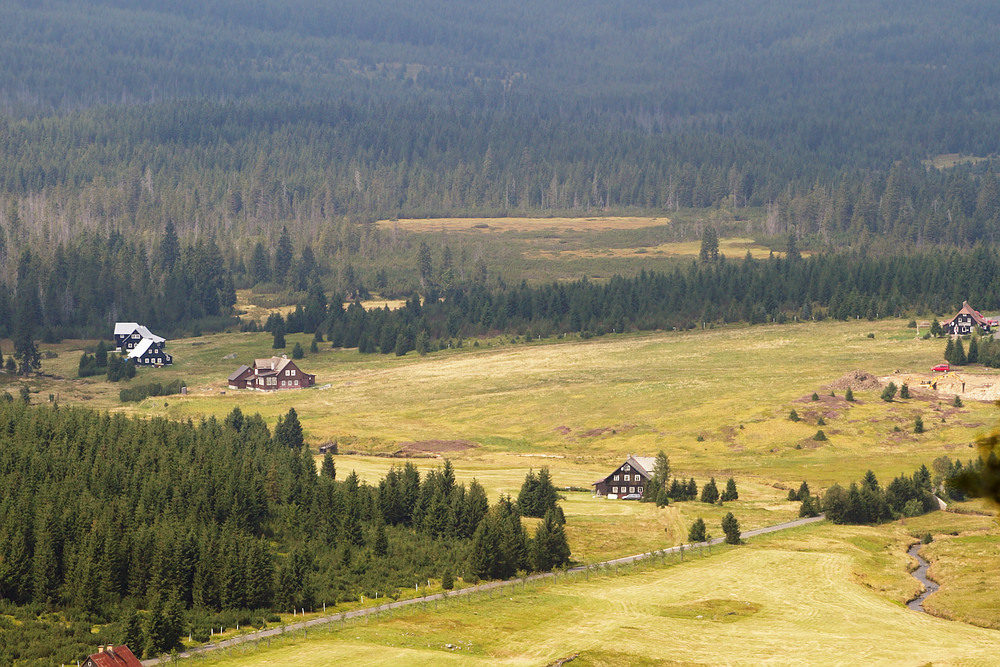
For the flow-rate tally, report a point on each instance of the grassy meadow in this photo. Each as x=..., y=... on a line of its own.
x=716, y=401
x=815, y=595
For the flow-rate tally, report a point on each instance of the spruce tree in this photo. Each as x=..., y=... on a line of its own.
x=959, y=354
x=549, y=549
x=692, y=490
x=918, y=425
x=973, y=357
x=279, y=337
x=709, y=251
x=730, y=493
x=849, y=395
x=731, y=527
x=949, y=351
x=889, y=392
x=709, y=492
x=904, y=391
x=793, y=415
x=297, y=351
x=447, y=580
x=328, y=469
x=697, y=533
x=803, y=490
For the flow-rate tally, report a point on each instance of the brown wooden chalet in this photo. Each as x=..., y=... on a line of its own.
x=271, y=375
x=967, y=319
x=628, y=479
x=113, y=656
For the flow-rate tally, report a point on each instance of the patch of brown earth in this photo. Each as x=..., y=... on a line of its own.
x=857, y=380
x=564, y=430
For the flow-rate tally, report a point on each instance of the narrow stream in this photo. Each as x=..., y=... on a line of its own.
x=920, y=574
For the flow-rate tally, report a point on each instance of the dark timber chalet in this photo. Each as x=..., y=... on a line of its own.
x=141, y=344
x=966, y=320
x=271, y=375
x=630, y=477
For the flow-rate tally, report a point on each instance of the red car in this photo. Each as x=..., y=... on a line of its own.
x=942, y=368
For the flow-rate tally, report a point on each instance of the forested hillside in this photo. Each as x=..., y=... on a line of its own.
x=213, y=524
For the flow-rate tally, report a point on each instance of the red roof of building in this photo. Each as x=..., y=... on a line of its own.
x=114, y=656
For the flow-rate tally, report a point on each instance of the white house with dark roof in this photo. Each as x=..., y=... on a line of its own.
x=141, y=344
x=629, y=478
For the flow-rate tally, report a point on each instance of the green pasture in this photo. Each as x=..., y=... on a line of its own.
x=717, y=401
x=815, y=595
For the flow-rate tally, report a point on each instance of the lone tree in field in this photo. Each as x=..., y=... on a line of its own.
x=731, y=527
x=904, y=391
x=709, y=492
x=918, y=425
x=697, y=531
x=793, y=415
x=730, y=493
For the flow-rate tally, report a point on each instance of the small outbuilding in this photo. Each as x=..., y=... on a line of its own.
x=629, y=479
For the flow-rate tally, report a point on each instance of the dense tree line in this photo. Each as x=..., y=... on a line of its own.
x=105, y=514
x=842, y=286
x=870, y=503
x=81, y=288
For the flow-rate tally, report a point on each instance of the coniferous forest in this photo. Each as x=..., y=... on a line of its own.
x=155, y=158
x=159, y=528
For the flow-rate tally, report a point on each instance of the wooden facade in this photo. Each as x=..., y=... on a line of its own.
x=629, y=478
x=967, y=319
x=272, y=374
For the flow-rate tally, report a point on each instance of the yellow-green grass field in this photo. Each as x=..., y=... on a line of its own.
x=513, y=224
x=734, y=248
x=716, y=401
x=815, y=595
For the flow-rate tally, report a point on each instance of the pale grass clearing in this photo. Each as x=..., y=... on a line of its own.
x=500, y=225
x=801, y=597
x=733, y=248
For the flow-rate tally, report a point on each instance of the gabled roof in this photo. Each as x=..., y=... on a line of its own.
x=645, y=464
x=239, y=371
x=641, y=464
x=276, y=364
x=115, y=656
x=140, y=349
x=127, y=328
x=977, y=317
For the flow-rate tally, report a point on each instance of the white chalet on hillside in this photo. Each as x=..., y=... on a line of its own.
x=141, y=344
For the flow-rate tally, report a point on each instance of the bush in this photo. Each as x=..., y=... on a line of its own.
x=821, y=422
x=143, y=391
x=815, y=396
x=793, y=415
x=957, y=402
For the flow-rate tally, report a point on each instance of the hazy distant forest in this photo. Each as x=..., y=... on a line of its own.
x=231, y=120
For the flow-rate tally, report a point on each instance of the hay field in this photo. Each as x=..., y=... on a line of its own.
x=733, y=248
x=501, y=225
x=593, y=402
x=818, y=595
